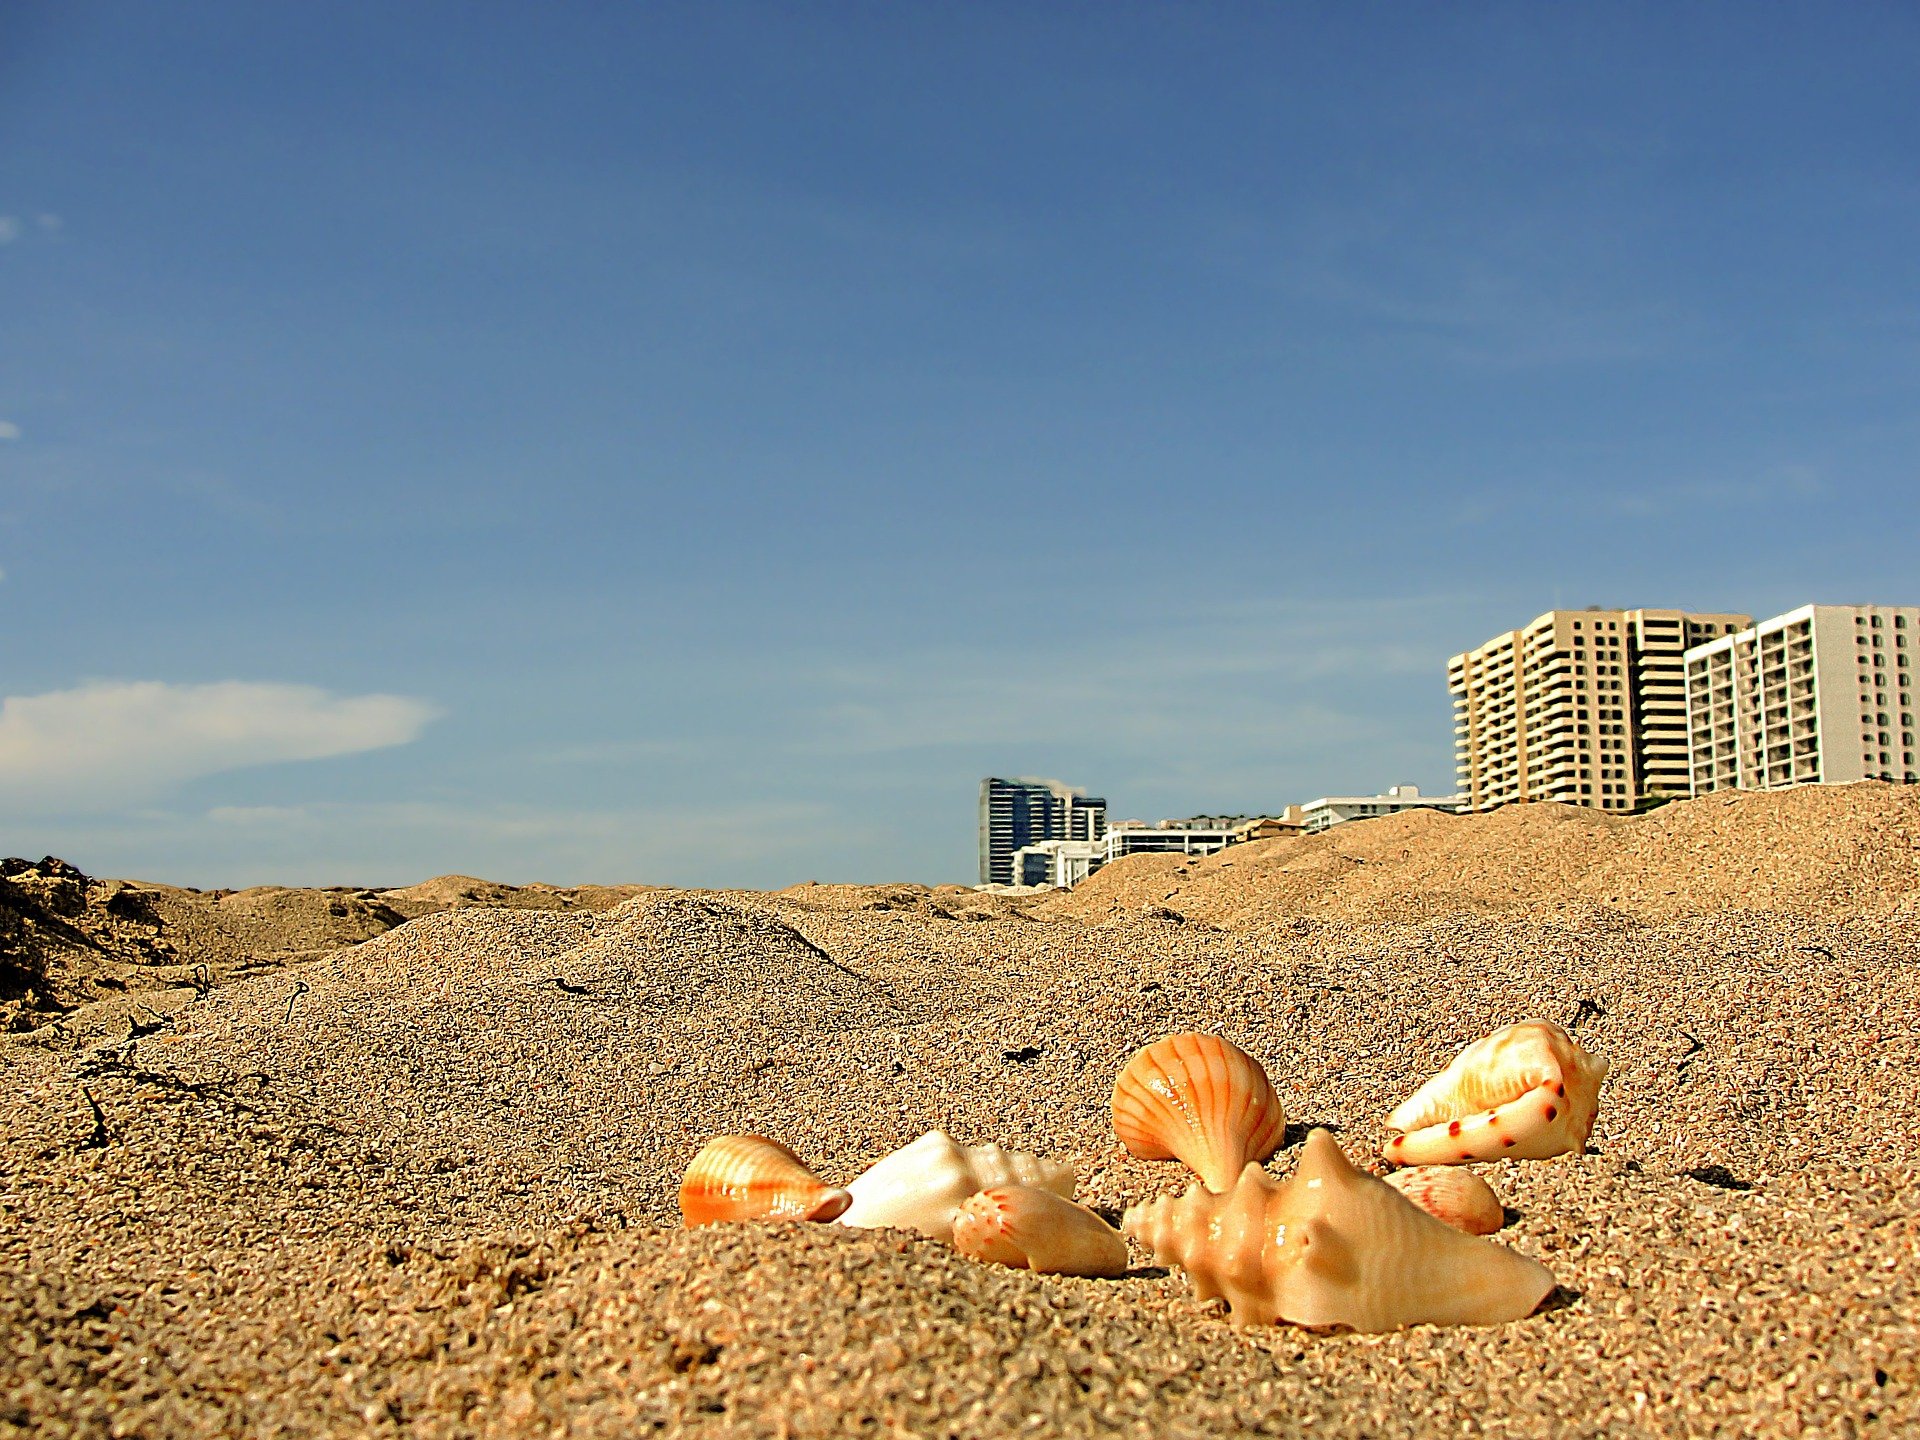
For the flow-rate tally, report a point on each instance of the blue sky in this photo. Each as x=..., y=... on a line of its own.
x=697, y=443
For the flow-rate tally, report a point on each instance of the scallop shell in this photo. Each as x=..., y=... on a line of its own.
x=1033, y=1229
x=1528, y=1092
x=921, y=1187
x=1454, y=1196
x=1200, y=1099
x=749, y=1177
x=1332, y=1246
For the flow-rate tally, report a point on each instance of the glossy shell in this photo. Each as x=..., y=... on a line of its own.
x=749, y=1177
x=1031, y=1229
x=1527, y=1092
x=1331, y=1246
x=1199, y=1099
x=921, y=1186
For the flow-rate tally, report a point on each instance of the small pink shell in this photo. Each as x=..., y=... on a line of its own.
x=1032, y=1229
x=1459, y=1197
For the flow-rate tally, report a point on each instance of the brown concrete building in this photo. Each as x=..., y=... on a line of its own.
x=1588, y=707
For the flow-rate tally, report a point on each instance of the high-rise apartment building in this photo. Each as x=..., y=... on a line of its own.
x=1588, y=707
x=1823, y=694
x=1017, y=813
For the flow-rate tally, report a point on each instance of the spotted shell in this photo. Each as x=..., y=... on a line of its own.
x=1332, y=1246
x=749, y=1177
x=1199, y=1099
x=1526, y=1092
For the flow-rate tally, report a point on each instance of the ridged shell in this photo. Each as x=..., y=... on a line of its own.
x=749, y=1177
x=921, y=1186
x=1199, y=1099
x=1032, y=1229
x=1331, y=1246
x=1453, y=1196
x=1527, y=1092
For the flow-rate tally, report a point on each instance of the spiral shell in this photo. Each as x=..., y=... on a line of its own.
x=1032, y=1229
x=1199, y=1099
x=1453, y=1196
x=1331, y=1246
x=1527, y=1092
x=749, y=1177
x=921, y=1186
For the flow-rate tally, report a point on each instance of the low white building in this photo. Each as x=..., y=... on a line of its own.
x=1059, y=863
x=1331, y=810
x=1065, y=863
x=1824, y=694
x=1136, y=839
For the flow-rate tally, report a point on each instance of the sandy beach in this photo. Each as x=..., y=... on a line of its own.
x=406, y=1162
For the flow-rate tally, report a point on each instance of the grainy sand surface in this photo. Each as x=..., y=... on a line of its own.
x=426, y=1185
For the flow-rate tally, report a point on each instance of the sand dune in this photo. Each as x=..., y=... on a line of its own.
x=1825, y=850
x=425, y=1184
x=67, y=938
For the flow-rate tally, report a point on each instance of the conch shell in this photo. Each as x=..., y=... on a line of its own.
x=1200, y=1099
x=1332, y=1246
x=1032, y=1229
x=1457, y=1197
x=749, y=1177
x=1528, y=1092
x=921, y=1187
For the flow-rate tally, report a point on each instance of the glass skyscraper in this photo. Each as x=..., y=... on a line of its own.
x=1025, y=811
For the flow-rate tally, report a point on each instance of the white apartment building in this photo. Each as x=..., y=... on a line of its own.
x=1065, y=863
x=1331, y=810
x=1588, y=707
x=1824, y=694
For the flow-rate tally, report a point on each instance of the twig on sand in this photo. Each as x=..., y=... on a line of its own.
x=137, y=1031
x=300, y=987
x=570, y=989
x=101, y=1136
x=1694, y=1047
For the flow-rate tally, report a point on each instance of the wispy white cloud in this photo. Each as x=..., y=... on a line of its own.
x=1780, y=485
x=9, y=430
x=259, y=815
x=1260, y=674
x=11, y=229
x=623, y=752
x=110, y=742
x=398, y=842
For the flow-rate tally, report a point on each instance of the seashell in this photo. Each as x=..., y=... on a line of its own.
x=921, y=1187
x=1453, y=1196
x=1333, y=1246
x=1200, y=1099
x=1033, y=1229
x=749, y=1177
x=1527, y=1092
